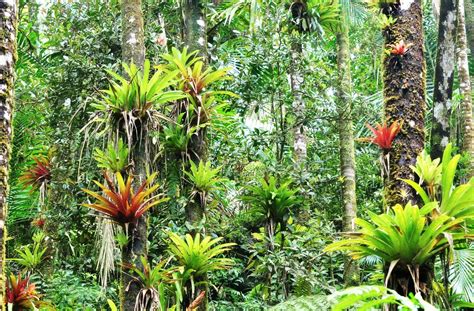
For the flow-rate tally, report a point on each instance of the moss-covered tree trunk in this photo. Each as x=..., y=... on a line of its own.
x=133, y=51
x=346, y=146
x=8, y=30
x=404, y=100
x=194, y=26
x=404, y=96
x=444, y=75
x=465, y=88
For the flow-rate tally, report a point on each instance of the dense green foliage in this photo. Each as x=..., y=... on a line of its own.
x=270, y=234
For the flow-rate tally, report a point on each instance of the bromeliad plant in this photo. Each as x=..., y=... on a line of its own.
x=20, y=293
x=155, y=281
x=196, y=258
x=272, y=202
x=39, y=174
x=31, y=257
x=120, y=203
x=406, y=238
x=113, y=159
x=204, y=179
x=383, y=137
x=454, y=201
x=38, y=177
x=429, y=173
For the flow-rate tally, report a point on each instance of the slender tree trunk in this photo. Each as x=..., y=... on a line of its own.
x=194, y=26
x=133, y=41
x=469, y=20
x=299, y=142
x=465, y=88
x=8, y=27
x=133, y=50
x=444, y=75
x=346, y=146
x=404, y=96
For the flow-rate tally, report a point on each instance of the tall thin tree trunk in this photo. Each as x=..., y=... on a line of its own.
x=299, y=142
x=346, y=145
x=404, y=96
x=133, y=50
x=465, y=88
x=133, y=40
x=194, y=30
x=444, y=75
x=8, y=27
x=469, y=20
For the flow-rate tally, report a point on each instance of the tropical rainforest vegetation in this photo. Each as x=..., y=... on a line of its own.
x=236, y=155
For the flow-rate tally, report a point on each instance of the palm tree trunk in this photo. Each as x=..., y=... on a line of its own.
x=8, y=27
x=465, y=88
x=346, y=146
x=444, y=75
x=194, y=26
x=133, y=50
x=404, y=96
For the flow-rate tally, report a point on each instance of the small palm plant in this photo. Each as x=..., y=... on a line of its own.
x=197, y=257
x=20, y=293
x=120, y=203
x=113, y=159
x=273, y=203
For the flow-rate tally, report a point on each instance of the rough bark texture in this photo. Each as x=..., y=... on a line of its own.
x=133, y=43
x=194, y=26
x=469, y=15
x=8, y=29
x=465, y=88
x=444, y=75
x=299, y=143
x=404, y=96
x=346, y=147
x=133, y=50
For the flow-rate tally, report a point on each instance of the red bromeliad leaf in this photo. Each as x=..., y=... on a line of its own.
x=38, y=174
x=120, y=203
x=400, y=48
x=20, y=293
x=383, y=135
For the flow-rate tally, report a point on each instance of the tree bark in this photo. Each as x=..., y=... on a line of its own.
x=133, y=41
x=469, y=19
x=404, y=96
x=297, y=79
x=133, y=51
x=8, y=27
x=346, y=146
x=194, y=26
x=465, y=88
x=444, y=77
